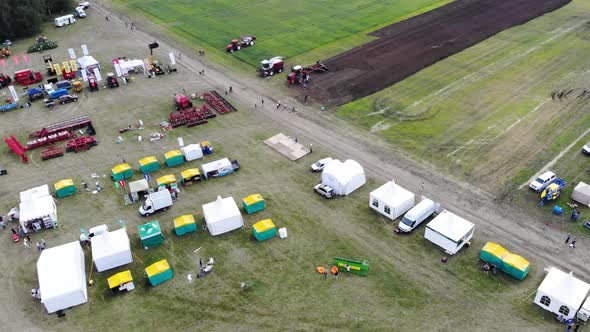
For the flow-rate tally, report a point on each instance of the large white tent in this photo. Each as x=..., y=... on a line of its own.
x=88, y=63
x=581, y=194
x=37, y=208
x=192, y=152
x=449, y=231
x=130, y=65
x=222, y=215
x=111, y=249
x=391, y=200
x=561, y=293
x=62, y=277
x=343, y=177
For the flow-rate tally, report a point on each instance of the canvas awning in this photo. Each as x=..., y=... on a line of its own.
x=264, y=225
x=581, y=194
x=190, y=173
x=187, y=219
x=149, y=230
x=139, y=185
x=253, y=199
x=172, y=154
x=148, y=160
x=120, y=168
x=63, y=184
x=157, y=268
x=119, y=279
x=166, y=179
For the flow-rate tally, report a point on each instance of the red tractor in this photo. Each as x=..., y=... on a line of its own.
x=182, y=102
x=300, y=75
x=92, y=84
x=4, y=80
x=112, y=80
x=27, y=77
x=272, y=66
x=238, y=44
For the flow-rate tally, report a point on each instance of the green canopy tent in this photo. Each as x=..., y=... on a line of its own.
x=150, y=234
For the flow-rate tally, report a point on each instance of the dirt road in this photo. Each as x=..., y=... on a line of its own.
x=495, y=220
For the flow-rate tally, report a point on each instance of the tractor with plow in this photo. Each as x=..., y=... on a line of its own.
x=301, y=75
x=237, y=44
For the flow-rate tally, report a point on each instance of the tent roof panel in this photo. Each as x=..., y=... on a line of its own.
x=120, y=168
x=450, y=225
x=61, y=270
x=564, y=287
x=157, y=268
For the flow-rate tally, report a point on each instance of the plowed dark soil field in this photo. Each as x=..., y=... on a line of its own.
x=406, y=47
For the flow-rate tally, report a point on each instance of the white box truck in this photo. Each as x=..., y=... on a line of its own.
x=584, y=312
x=417, y=215
x=154, y=202
x=64, y=20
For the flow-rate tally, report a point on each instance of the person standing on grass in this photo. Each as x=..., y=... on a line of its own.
x=336, y=274
x=26, y=243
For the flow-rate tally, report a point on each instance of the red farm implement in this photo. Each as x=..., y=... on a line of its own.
x=72, y=124
x=80, y=143
x=49, y=139
x=218, y=102
x=52, y=152
x=16, y=147
x=191, y=117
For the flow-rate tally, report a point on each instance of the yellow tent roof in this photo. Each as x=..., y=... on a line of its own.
x=166, y=179
x=495, y=249
x=516, y=261
x=63, y=184
x=119, y=279
x=148, y=160
x=204, y=143
x=171, y=154
x=157, y=268
x=264, y=225
x=120, y=168
x=187, y=219
x=254, y=198
x=189, y=173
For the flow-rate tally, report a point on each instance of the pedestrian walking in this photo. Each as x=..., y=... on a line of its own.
x=231, y=89
x=262, y=100
x=576, y=327
x=305, y=99
x=336, y=274
x=254, y=105
x=545, y=226
x=200, y=263
x=310, y=148
x=422, y=187
x=2, y=223
x=486, y=269
x=26, y=243
x=106, y=18
x=573, y=245
x=323, y=108
x=278, y=106
x=568, y=328
x=326, y=274
x=132, y=25
x=568, y=238
x=347, y=268
x=13, y=231
x=38, y=245
x=43, y=244
x=125, y=24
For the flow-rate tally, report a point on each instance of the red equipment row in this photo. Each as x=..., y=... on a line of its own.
x=80, y=143
x=218, y=102
x=49, y=139
x=72, y=124
x=191, y=117
x=17, y=148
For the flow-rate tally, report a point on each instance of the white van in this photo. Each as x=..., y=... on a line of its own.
x=64, y=20
x=417, y=215
x=80, y=12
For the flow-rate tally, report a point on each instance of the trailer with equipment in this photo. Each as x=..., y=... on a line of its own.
x=238, y=44
x=301, y=75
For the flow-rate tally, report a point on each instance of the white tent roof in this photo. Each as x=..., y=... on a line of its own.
x=87, y=61
x=450, y=225
x=111, y=249
x=33, y=193
x=129, y=64
x=343, y=171
x=139, y=185
x=215, y=165
x=222, y=215
x=61, y=272
x=392, y=194
x=564, y=287
x=581, y=194
x=37, y=208
x=192, y=152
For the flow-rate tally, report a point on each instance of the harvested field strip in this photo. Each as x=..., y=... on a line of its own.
x=409, y=46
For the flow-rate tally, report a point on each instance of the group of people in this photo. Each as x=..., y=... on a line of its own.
x=486, y=268
x=335, y=271
x=573, y=243
x=569, y=324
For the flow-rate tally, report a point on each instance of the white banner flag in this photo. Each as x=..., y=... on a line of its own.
x=72, y=53
x=97, y=74
x=84, y=49
x=84, y=75
x=172, y=59
x=13, y=93
x=118, y=70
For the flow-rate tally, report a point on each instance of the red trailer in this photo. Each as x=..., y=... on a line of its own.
x=80, y=143
x=72, y=124
x=27, y=77
x=49, y=139
x=52, y=152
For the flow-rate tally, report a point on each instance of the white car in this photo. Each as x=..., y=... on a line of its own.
x=84, y=4
x=586, y=149
x=324, y=190
x=542, y=181
x=319, y=165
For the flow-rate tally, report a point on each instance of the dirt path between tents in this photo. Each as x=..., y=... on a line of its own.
x=409, y=46
x=495, y=220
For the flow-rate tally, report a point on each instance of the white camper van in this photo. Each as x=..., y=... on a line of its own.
x=64, y=20
x=80, y=12
x=417, y=215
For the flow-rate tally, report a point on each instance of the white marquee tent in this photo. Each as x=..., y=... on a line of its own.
x=222, y=216
x=129, y=65
x=391, y=200
x=192, y=152
x=581, y=194
x=343, y=177
x=88, y=63
x=449, y=231
x=35, y=205
x=561, y=293
x=111, y=249
x=62, y=277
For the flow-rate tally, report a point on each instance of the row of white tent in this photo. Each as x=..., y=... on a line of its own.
x=61, y=270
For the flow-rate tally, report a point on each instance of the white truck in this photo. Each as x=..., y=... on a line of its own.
x=417, y=215
x=64, y=20
x=154, y=202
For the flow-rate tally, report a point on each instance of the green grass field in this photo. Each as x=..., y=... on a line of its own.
x=486, y=114
x=304, y=30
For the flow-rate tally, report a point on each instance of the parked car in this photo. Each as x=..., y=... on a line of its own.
x=542, y=181
x=84, y=4
x=67, y=99
x=49, y=103
x=586, y=149
x=324, y=190
x=319, y=165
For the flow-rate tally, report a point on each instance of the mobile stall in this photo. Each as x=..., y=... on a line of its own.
x=185, y=224
x=150, y=234
x=159, y=272
x=173, y=158
x=121, y=172
x=264, y=230
x=253, y=203
x=64, y=188
x=190, y=176
x=149, y=164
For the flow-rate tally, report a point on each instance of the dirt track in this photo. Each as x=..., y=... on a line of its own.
x=407, y=47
